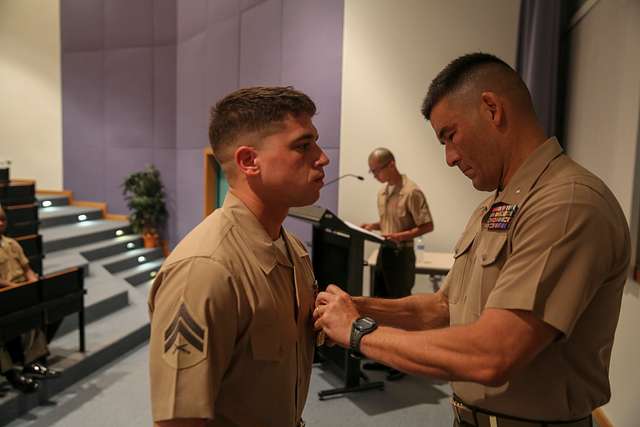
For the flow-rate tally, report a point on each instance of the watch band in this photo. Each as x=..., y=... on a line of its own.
x=359, y=328
x=354, y=342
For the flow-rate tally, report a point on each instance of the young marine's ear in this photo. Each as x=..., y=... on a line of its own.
x=245, y=158
x=492, y=108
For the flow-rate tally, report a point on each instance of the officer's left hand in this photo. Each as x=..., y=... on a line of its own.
x=334, y=313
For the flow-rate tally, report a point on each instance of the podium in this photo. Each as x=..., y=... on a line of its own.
x=338, y=258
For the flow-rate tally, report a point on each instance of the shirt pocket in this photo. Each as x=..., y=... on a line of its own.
x=491, y=256
x=457, y=274
x=401, y=208
x=266, y=341
x=270, y=335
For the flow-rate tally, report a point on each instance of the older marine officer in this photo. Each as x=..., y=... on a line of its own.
x=231, y=328
x=524, y=324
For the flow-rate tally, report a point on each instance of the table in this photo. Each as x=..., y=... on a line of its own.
x=434, y=264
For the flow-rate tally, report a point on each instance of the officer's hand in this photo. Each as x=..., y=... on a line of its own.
x=396, y=237
x=334, y=313
x=367, y=227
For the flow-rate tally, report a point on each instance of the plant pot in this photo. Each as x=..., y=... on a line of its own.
x=151, y=239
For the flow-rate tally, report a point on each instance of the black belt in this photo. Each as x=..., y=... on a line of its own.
x=480, y=418
x=397, y=246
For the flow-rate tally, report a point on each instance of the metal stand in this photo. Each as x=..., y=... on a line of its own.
x=379, y=385
x=338, y=254
x=353, y=385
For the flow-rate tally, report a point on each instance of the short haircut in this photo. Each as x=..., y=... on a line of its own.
x=382, y=155
x=464, y=70
x=253, y=109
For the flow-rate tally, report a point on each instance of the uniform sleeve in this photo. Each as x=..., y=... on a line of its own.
x=563, y=248
x=194, y=324
x=417, y=205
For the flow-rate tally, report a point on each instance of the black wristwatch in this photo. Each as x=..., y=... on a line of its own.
x=359, y=328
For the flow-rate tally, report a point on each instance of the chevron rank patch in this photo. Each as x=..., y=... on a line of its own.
x=499, y=216
x=185, y=340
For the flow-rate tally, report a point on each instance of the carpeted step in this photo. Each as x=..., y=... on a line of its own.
x=71, y=235
x=59, y=215
x=142, y=273
x=48, y=200
x=123, y=261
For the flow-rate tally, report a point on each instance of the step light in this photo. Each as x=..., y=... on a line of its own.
x=46, y=203
x=82, y=217
x=141, y=259
x=119, y=232
x=153, y=274
x=131, y=245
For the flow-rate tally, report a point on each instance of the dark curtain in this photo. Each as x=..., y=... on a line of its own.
x=542, y=58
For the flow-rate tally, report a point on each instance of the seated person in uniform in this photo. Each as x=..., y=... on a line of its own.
x=29, y=350
x=231, y=331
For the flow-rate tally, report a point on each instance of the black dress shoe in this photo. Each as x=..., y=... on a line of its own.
x=395, y=375
x=375, y=366
x=38, y=370
x=21, y=382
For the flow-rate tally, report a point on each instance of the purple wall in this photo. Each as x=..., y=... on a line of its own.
x=118, y=96
x=139, y=79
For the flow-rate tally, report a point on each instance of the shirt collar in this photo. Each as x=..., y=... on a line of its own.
x=529, y=172
x=396, y=188
x=263, y=248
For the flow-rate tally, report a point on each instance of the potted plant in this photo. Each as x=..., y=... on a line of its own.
x=145, y=196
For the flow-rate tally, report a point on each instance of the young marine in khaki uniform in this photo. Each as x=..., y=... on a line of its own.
x=231, y=328
x=533, y=298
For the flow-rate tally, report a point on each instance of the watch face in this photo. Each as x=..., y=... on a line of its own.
x=365, y=323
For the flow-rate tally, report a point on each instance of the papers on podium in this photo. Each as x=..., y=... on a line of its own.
x=373, y=236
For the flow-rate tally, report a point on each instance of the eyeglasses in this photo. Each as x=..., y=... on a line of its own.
x=374, y=171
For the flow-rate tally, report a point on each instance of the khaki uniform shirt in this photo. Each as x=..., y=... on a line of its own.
x=556, y=243
x=12, y=265
x=402, y=208
x=13, y=262
x=231, y=328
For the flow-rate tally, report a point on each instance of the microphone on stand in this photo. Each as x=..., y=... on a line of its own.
x=344, y=176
